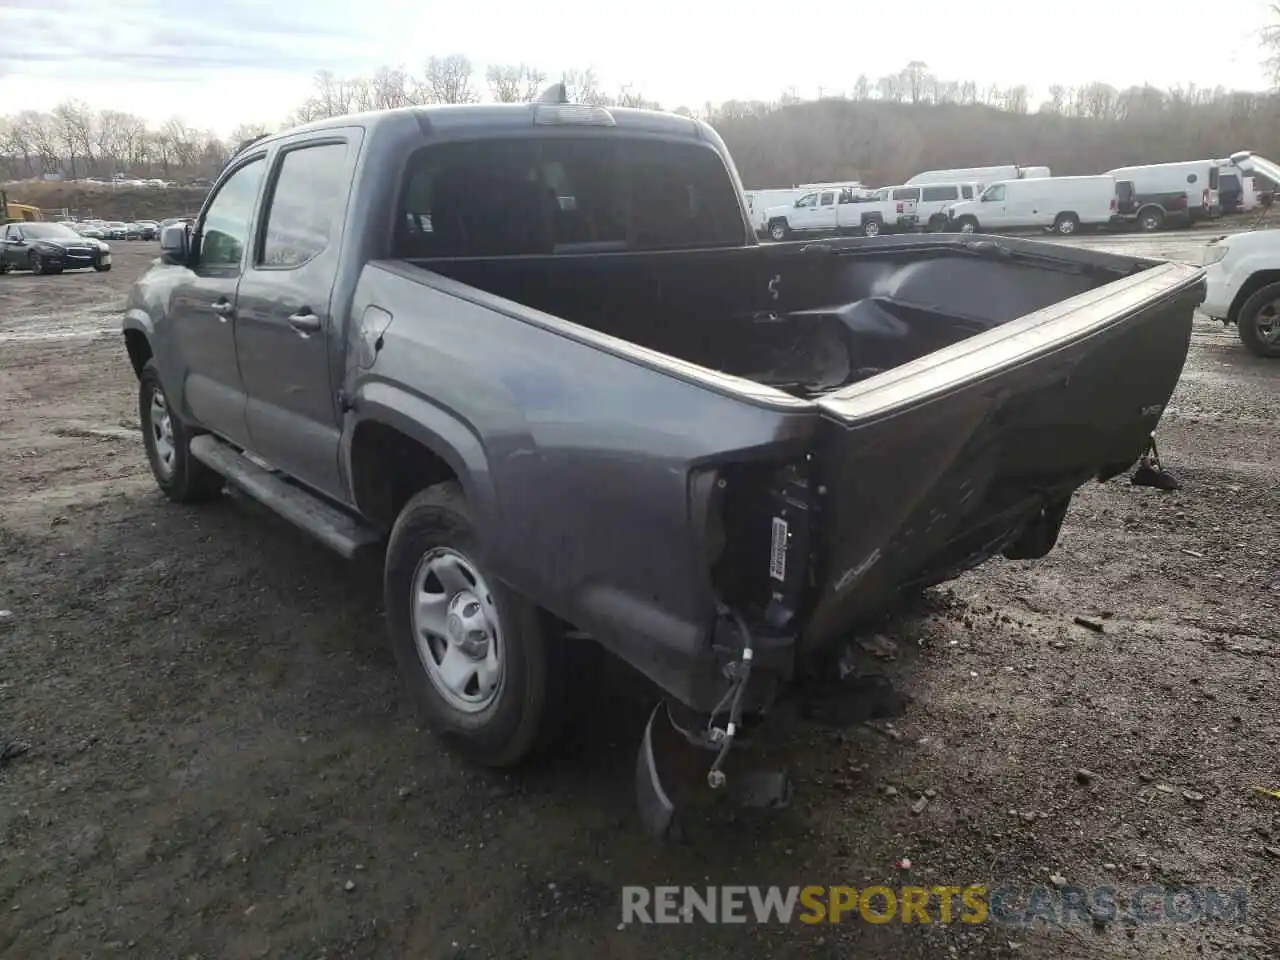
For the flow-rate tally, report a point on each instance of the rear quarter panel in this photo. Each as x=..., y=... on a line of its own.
x=576, y=460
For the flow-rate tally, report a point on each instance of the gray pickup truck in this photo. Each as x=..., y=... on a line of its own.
x=536, y=351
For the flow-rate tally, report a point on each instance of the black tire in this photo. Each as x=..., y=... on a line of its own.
x=1066, y=224
x=1252, y=314
x=779, y=230
x=102, y=267
x=185, y=479
x=1150, y=219
x=871, y=228
x=528, y=710
x=967, y=224
x=37, y=264
x=4, y=268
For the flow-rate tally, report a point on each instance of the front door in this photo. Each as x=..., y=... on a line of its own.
x=805, y=213
x=994, y=212
x=287, y=337
x=202, y=306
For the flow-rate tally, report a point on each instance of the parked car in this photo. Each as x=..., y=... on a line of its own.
x=116, y=230
x=1243, y=275
x=933, y=199
x=836, y=212
x=90, y=230
x=148, y=229
x=1060, y=204
x=622, y=421
x=50, y=248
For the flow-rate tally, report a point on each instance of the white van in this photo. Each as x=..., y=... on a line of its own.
x=979, y=175
x=932, y=199
x=1198, y=179
x=1063, y=204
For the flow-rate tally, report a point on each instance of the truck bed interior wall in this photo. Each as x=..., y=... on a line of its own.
x=807, y=321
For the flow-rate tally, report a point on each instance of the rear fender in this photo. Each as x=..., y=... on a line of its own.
x=436, y=429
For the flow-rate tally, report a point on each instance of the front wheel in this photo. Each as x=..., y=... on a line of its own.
x=181, y=477
x=1258, y=322
x=1066, y=224
x=37, y=264
x=778, y=230
x=102, y=267
x=484, y=668
x=967, y=224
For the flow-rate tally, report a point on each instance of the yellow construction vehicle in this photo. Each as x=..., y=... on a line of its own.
x=10, y=211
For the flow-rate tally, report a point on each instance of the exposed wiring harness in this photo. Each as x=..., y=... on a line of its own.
x=739, y=672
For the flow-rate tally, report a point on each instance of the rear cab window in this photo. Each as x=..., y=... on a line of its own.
x=907, y=193
x=538, y=196
x=306, y=206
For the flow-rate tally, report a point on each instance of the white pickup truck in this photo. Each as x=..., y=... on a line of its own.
x=1242, y=276
x=837, y=212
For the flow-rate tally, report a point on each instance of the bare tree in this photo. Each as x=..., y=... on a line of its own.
x=862, y=88
x=506, y=82
x=448, y=80
x=915, y=79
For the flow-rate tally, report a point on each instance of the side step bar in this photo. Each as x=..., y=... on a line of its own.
x=336, y=529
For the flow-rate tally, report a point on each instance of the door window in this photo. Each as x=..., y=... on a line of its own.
x=935, y=194
x=967, y=192
x=307, y=205
x=828, y=199
x=911, y=193
x=808, y=200
x=225, y=230
x=995, y=193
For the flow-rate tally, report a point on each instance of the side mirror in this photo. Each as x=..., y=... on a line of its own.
x=983, y=198
x=175, y=244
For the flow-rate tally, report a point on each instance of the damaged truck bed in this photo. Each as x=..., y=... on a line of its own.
x=537, y=349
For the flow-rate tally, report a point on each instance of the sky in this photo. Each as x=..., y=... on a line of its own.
x=225, y=62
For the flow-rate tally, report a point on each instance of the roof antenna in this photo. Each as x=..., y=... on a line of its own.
x=555, y=93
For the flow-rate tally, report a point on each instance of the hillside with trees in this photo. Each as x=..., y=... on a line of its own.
x=879, y=130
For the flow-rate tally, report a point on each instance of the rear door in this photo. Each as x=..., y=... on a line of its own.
x=202, y=305
x=825, y=212
x=287, y=334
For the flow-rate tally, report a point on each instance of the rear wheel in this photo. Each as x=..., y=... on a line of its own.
x=1151, y=220
x=485, y=669
x=1066, y=224
x=871, y=228
x=1258, y=322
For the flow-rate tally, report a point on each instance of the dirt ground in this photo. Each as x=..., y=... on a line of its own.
x=222, y=763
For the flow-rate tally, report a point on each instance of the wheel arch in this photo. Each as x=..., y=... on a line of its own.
x=1252, y=285
x=401, y=444
x=137, y=340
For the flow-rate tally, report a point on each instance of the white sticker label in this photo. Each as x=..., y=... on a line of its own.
x=778, y=550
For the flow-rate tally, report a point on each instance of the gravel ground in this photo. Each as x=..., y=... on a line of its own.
x=222, y=763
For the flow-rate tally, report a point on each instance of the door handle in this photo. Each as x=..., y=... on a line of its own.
x=304, y=321
x=223, y=309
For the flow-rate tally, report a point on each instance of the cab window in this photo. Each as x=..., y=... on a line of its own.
x=994, y=193
x=907, y=193
x=967, y=192
x=808, y=200
x=827, y=199
x=225, y=229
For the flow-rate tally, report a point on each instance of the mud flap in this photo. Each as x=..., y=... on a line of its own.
x=657, y=812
